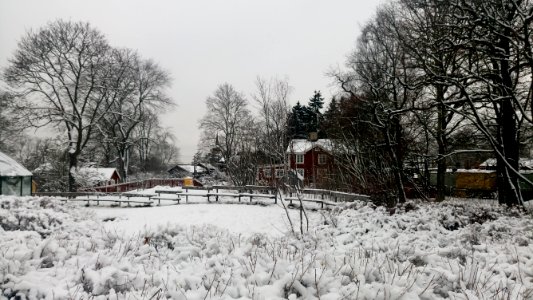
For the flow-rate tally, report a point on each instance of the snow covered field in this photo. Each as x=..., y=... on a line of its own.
x=456, y=250
x=238, y=219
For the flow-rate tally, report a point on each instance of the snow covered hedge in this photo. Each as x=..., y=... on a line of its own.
x=422, y=251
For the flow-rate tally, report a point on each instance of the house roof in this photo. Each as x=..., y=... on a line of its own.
x=525, y=163
x=9, y=167
x=302, y=146
x=190, y=168
x=101, y=173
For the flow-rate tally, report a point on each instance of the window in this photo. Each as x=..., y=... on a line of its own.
x=300, y=171
x=299, y=158
x=322, y=159
x=280, y=173
x=267, y=173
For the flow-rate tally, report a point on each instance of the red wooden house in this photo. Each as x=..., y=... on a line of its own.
x=313, y=161
x=270, y=174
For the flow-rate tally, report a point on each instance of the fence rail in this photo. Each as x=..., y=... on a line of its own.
x=141, y=184
x=309, y=195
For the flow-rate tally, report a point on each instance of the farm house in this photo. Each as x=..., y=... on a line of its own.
x=14, y=178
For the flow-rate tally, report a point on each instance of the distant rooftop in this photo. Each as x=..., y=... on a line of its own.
x=525, y=163
x=9, y=167
x=302, y=146
x=101, y=173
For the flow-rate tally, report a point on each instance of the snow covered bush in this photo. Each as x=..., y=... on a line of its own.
x=425, y=251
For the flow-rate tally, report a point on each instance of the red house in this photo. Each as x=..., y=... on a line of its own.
x=270, y=174
x=313, y=161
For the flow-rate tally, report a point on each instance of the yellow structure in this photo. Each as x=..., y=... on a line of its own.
x=187, y=181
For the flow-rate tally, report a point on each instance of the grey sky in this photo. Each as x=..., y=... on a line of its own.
x=206, y=43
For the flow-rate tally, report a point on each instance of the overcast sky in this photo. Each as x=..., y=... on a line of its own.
x=206, y=43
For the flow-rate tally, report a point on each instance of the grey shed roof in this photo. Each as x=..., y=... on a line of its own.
x=9, y=167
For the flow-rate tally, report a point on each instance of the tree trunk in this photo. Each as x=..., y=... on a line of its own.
x=121, y=166
x=508, y=183
x=72, y=165
x=441, y=142
x=397, y=165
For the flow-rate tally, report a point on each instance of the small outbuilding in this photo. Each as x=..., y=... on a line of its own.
x=91, y=176
x=186, y=170
x=14, y=178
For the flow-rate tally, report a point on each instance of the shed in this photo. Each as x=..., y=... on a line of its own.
x=14, y=178
x=90, y=176
x=186, y=170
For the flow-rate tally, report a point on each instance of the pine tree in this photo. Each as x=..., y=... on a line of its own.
x=313, y=116
x=297, y=126
x=316, y=102
x=330, y=125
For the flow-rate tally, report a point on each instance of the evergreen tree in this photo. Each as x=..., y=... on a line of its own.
x=316, y=102
x=297, y=122
x=330, y=124
x=313, y=116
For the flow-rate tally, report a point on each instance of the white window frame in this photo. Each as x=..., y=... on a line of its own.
x=301, y=171
x=322, y=159
x=280, y=173
x=298, y=161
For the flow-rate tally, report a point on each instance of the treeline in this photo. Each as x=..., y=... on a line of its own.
x=103, y=102
x=429, y=83
x=438, y=78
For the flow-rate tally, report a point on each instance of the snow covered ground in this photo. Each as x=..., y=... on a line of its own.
x=456, y=250
x=238, y=219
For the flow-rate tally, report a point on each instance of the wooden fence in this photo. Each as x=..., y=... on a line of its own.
x=322, y=197
x=141, y=184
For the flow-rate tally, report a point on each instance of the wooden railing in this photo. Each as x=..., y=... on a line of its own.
x=323, y=197
x=140, y=184
x=335, y=196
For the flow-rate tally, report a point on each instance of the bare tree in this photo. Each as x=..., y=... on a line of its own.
x=422, y=31
x=136, y=88
x=59, y=73
x=496, y=81
x=228, y=122
x=272, y=97
x=381, y=75
x=10, y=123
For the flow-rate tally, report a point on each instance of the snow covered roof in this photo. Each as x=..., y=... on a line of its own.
x=44, y=168
x=102, y=173
x=190, y=168
x=525, y=163
x=301, y=146
x=207, y=166
x=474, y=171
x=9, y=167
